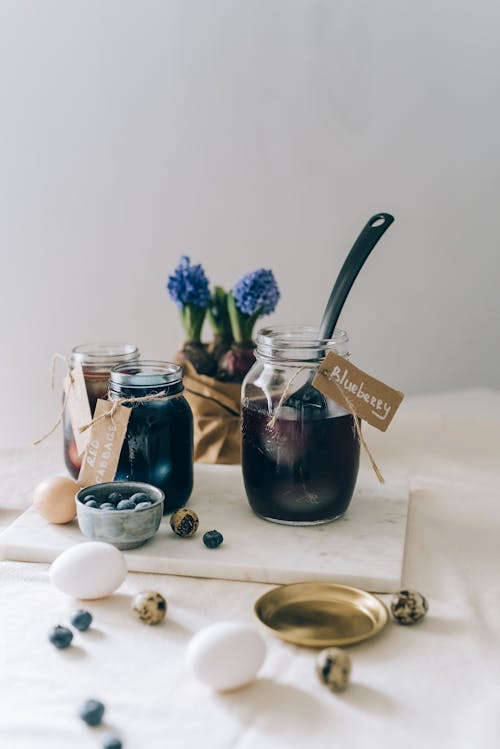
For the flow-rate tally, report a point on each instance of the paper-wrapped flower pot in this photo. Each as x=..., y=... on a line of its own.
x=216, y=414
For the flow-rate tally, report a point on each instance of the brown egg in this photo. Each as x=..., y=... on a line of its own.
x=54, y=499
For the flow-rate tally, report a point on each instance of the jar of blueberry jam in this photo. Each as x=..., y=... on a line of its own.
x=97, y=360
x=300, y=458
x=158, y=446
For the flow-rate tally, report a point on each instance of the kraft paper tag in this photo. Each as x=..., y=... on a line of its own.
x=105, y=443
x=344, y=383
x=78, y=406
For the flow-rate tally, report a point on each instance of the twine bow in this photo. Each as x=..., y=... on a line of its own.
x=107, y=414
x=117, y=402
x=69, y=374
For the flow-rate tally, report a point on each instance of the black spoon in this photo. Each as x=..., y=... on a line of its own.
x=355, y=260
x=364, y=244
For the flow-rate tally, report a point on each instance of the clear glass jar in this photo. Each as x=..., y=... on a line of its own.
x=158, y=446
x=300, y=459
x=97, y=360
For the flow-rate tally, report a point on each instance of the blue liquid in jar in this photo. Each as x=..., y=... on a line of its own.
x=158, y=447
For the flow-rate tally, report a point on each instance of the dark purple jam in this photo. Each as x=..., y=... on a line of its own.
x=302, y=469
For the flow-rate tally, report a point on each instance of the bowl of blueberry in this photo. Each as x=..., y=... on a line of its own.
x=123, y=513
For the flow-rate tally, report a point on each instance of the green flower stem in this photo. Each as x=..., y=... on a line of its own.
x=218, y=315
x=192, y=318
x=241, y=325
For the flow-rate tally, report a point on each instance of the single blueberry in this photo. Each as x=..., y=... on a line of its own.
x=91, y=711
x=111, y=742
x=213, y=539
x=139, y=497
x=125, y=504
x=90, y=498
x=142, y=505
x=81, y=619
x=60, y=637
x=107, y=506
x=92, y=503
x=115, y=497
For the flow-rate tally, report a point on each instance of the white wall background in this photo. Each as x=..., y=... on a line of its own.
x=247, y=134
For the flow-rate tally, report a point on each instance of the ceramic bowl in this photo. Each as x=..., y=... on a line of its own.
x=125, y=529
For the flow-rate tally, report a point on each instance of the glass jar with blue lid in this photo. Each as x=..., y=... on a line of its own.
x=158, y=446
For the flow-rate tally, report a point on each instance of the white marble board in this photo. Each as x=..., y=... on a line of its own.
x=364, y=549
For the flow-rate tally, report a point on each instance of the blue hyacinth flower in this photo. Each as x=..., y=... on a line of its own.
x=188, y=288
x=253, y=295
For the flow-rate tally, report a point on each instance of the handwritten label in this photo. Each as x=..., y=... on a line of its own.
x=344, y=383
x=105, y=443
x=78, y=406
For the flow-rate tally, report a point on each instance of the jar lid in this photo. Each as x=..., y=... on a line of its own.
x=145, y=374
x=105, y=355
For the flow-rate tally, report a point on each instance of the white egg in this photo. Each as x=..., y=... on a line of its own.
x=89, y=570
x=226, y=655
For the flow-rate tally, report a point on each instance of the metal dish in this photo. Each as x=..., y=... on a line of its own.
x=321, y=614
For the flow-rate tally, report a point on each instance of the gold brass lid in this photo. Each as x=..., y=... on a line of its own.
x=321, y=614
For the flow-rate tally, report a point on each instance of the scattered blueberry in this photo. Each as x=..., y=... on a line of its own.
x=90, y=498
x=91, y=711
x=60, y=637
x=92, y=503
x=108, y=506
x=213, y=539
x=81, y=619
x=115, y=497
x=125, y=504
x=111, y=742
x=142, y=505
x=139, y=497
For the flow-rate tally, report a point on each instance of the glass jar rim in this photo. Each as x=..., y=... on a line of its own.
x=298, y=344
x=104, y=354
x=299, y=336
x=144, y=373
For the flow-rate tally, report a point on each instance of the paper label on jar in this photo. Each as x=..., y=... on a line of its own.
x=106, y=437
x=78, y=406
x=356, y=390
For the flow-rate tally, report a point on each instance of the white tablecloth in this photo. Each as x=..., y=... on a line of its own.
x=433, y=685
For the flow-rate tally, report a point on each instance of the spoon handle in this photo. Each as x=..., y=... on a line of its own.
x=355, y=260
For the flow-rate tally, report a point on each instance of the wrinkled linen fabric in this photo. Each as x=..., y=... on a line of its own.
x=435, y=684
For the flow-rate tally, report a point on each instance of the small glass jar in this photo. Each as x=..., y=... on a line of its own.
x=158, y=446
x=97, y=360
x=300, y=459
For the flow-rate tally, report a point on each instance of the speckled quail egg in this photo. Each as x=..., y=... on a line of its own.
x=184, y=522
x=333, y=667
x=150, y=606
x=408, y=607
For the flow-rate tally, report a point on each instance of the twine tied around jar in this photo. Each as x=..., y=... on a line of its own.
x=71, y=382
x=348, y=403
x=116, y=403
x=69, y=374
